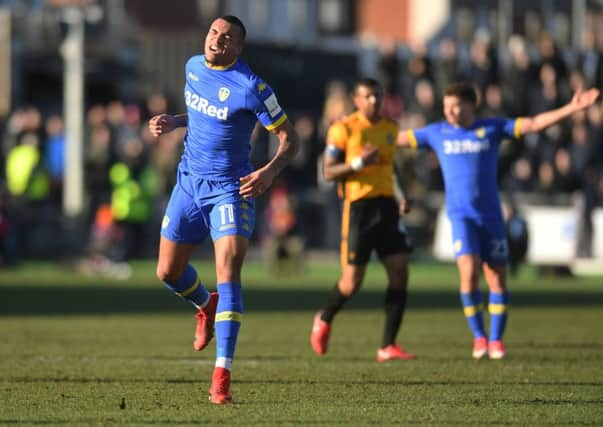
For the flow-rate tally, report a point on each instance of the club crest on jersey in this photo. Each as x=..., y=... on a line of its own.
x=223, y=94
x=261, y=87
x=480, y=132
x=390, y=139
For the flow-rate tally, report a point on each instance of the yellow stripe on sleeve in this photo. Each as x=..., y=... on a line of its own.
x=517, y=128
x=412, y=139
x=277, y=123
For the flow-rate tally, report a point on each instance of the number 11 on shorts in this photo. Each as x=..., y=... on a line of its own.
x=226, y=213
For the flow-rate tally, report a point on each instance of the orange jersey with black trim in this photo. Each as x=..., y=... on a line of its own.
x=349, y=135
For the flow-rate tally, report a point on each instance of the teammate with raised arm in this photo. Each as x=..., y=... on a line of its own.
x=467, y=149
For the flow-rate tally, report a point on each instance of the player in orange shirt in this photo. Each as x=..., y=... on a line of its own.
x=360, y=155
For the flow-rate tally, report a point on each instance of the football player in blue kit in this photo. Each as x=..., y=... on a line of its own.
x=216, y=186
x=467, y=149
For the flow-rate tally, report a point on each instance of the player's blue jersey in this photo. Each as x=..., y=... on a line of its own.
x=223, y=105
x=469, y=161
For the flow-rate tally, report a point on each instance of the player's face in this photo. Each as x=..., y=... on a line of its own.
x=223, y=43
x=458, y=112
x=368, y=101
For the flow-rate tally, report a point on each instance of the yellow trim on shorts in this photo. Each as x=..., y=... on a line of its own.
x=190, y=290
x=345, y=231
x=232, y=316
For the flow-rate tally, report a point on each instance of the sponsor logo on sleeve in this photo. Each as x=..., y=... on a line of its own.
x=272, y=106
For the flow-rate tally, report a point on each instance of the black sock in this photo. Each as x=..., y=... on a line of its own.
x=334, y=303
x=395, y=303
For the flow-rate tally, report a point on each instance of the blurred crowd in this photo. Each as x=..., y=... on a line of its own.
x=128, y=174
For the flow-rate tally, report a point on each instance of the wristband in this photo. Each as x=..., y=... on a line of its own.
x=357, y=163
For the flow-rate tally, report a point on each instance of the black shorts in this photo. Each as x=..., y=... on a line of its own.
x=369, y=224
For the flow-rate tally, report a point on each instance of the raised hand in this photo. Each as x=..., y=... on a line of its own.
x=583, y=99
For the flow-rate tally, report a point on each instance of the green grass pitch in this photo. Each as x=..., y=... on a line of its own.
x=82, y=351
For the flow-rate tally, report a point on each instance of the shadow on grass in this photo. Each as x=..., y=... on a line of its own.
x=45, y=300
x=302, y=382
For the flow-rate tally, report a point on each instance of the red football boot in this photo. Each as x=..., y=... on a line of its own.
x=480, y=347
x=496, y=350
x=393, y=352
x=319, y=338
x=206, y=317
x=219, y=392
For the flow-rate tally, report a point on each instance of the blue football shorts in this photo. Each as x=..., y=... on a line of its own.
x=199, y=207
x=487, y=239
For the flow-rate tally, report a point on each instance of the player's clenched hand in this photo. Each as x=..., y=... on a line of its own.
x=162, y=123
x=404, y=206
x=256, y=183
x=370, y=154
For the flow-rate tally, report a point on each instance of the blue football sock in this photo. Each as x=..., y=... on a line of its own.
x=497, y=307
x=189, y=287
x=473, y=309
x=228, y=322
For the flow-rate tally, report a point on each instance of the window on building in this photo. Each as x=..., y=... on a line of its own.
x=208, y=10
x=337, y=17
x=259, y=15
x=297, y=12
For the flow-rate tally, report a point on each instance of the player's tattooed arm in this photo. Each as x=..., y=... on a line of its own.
x=257, y=182
x=287, y=148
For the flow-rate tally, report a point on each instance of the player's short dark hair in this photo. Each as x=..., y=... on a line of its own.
x=231, y=19
x=463, y=90
x=367, y=82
